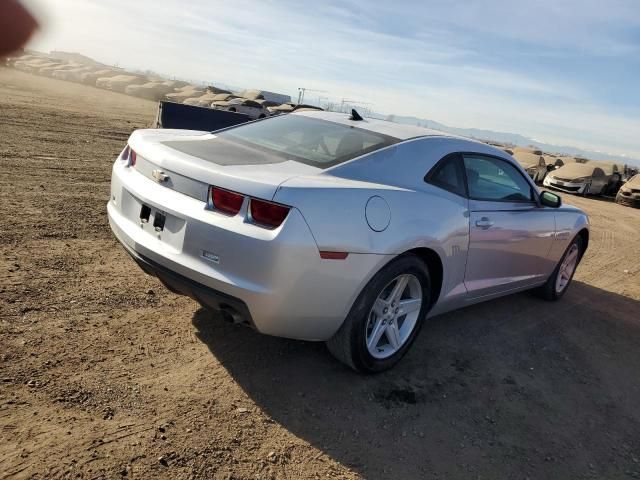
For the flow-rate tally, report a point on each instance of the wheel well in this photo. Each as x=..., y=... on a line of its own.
x=584, y=235
x=434, y=264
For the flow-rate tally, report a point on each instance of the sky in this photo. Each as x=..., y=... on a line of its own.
x=565, y=72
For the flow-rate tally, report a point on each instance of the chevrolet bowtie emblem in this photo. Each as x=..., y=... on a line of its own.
x=159, y=176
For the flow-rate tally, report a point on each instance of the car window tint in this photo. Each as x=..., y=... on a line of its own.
x=316, y=142
x=448, y=175
x=493, y=179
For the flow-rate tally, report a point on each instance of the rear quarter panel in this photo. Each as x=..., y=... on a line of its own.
x=421, y=216
x=569, y=222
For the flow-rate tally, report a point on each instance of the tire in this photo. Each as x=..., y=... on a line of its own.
x=550, y=291
x=349, y=344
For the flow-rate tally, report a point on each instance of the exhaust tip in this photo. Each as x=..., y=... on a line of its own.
x=231, y=314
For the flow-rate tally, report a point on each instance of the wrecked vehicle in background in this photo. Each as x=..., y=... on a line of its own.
x=252, y=108
x=533, y=162
x=629, y=193
x=589, y=178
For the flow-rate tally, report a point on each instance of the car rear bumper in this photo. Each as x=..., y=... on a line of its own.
x=204, y=295
x=275, y=278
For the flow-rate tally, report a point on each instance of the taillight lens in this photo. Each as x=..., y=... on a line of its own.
x=268, y=214
x=129, y=156
x=226, y=201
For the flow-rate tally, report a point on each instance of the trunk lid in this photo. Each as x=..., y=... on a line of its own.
x=183, y=161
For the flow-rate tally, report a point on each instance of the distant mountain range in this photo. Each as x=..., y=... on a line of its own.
x=509, y=138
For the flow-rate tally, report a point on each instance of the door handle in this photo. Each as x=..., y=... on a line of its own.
x=484, y=223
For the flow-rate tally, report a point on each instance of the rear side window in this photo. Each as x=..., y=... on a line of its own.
x=316, y=142
x=448, y=174
x=496, y=180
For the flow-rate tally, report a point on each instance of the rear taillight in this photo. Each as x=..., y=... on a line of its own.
x=262, y=213
x=268, y=214
x=125, y=153
x=129, y=156
x=226, y=201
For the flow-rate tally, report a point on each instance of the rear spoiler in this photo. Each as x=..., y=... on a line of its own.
x=190, y=117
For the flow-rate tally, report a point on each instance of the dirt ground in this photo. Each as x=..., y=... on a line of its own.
x=106, y=374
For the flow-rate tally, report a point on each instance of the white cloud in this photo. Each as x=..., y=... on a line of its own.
x=412, y=58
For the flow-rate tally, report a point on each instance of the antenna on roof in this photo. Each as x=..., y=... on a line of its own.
x=355, y=115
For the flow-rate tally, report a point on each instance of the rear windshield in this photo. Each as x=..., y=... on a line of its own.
x=318, y=143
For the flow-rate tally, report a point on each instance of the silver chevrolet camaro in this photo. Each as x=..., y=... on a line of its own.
x=325, y=226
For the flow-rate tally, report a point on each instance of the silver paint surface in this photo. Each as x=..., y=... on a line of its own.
x=487, y=249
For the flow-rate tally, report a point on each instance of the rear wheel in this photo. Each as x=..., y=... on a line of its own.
x=559, y=281
x=385, y=318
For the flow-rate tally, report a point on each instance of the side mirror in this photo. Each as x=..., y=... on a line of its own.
x=548, y=199
x=550, y=168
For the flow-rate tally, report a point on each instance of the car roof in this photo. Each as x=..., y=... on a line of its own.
x=575, y=170
x=526, y=157
x=608, y=167
x=397, y=130
x=551, y=160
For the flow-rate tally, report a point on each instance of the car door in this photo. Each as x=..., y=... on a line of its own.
x=510, y=235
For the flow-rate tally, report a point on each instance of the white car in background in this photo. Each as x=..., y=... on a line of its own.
x=590, y=178
x=252, y=108
x=290, y=107
x=579, y=178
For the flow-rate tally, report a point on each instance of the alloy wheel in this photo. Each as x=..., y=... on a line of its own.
x=567, y=267
x=394, y=316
